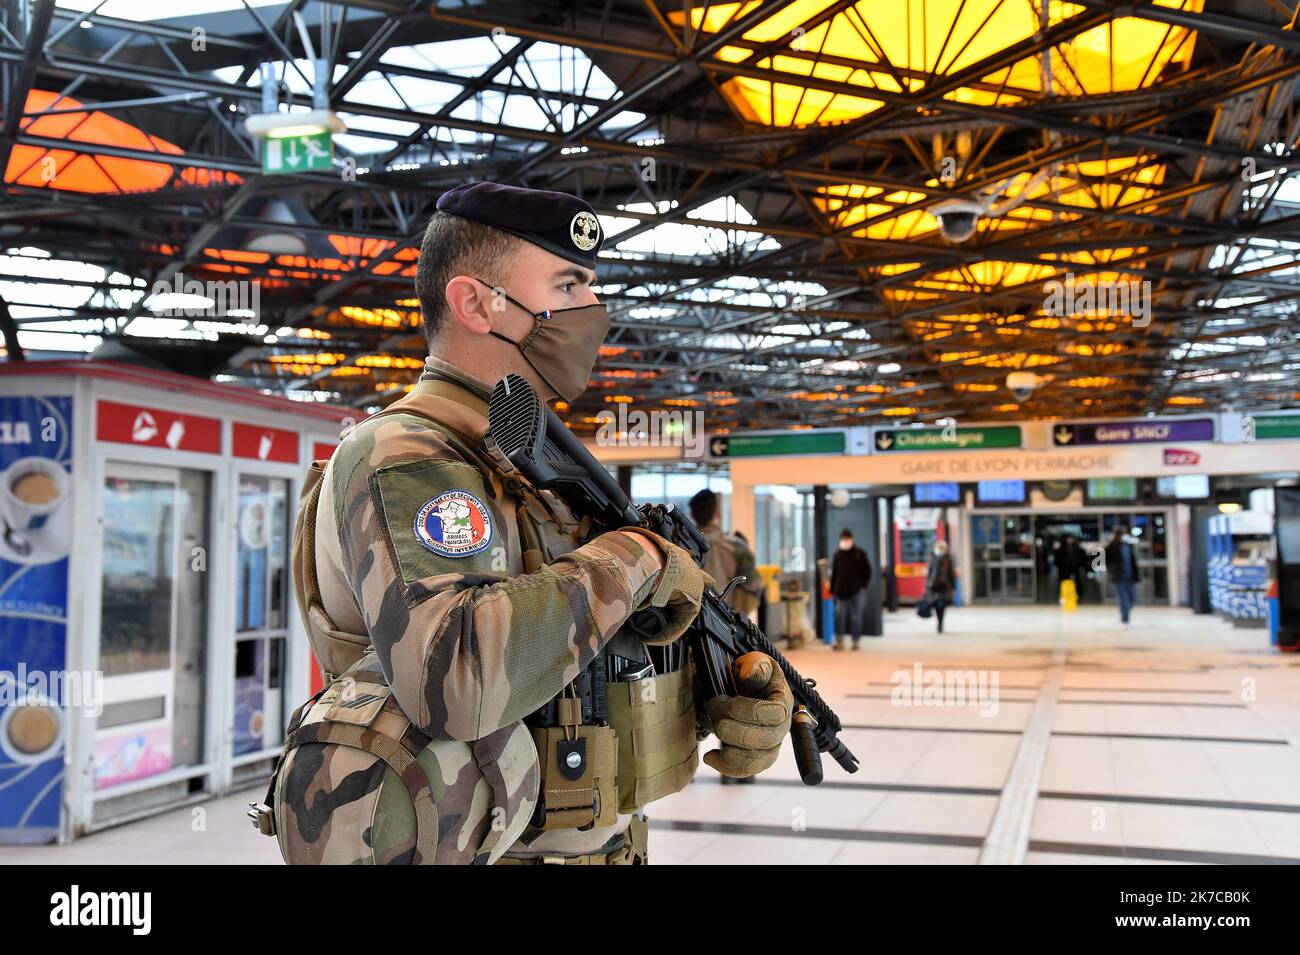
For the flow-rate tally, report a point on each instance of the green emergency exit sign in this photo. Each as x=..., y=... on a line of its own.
x=311, y=152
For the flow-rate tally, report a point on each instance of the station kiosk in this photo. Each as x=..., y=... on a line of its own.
x=150, y=649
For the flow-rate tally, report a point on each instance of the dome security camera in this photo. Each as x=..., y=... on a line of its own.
x=1023, y=384
x=958, y=218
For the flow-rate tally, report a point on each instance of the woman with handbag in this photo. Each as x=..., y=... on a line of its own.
x=940, y=582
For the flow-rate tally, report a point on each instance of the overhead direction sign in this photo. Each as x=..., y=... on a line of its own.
x=1266, y=427
x=785, y=443
x=1142, y=431
x=946, y=439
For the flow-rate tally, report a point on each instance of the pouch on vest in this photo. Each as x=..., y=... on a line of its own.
x=579, y=764
x=652, y=721
x=658, y=752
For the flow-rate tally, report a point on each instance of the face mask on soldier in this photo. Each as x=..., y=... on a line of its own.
x=563, y=345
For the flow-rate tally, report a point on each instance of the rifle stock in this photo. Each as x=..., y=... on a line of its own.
x=536, y=442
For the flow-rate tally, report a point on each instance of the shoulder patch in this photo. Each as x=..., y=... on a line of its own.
x=454, y=524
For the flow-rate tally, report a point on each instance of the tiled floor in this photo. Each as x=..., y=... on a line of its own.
x=1174, y=741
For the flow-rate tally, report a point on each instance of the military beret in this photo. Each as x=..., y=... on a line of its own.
x=556, y=221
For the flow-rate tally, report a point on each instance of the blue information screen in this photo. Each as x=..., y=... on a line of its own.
x=1000, y=492
x=939, y=492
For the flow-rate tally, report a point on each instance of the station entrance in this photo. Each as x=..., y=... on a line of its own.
x=1019, y=556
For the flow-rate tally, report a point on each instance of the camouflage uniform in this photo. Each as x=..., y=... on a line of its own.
x=729, y=556
x=464, y=647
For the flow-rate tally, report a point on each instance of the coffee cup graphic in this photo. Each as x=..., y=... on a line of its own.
x=30, y=491
x=32, y=731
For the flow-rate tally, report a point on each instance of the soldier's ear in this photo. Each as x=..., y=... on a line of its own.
x=470, y=304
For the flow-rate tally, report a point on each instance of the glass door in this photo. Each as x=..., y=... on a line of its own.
x=261, y=613
x=153, y=623
x=1068, y=543
x=1004, y=557
x=1019, y=559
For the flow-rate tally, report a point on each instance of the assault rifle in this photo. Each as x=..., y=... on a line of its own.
x=535, y=441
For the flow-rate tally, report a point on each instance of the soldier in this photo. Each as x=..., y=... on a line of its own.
x=728, y=555
x=483, y=703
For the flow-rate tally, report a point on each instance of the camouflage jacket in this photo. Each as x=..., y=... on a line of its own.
x=418, y=546
x=729, y=556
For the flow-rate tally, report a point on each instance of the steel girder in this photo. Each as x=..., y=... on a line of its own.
x=726, y=327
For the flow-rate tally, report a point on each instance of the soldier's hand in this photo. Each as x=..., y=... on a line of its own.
x=751, y=727
x=677, y=589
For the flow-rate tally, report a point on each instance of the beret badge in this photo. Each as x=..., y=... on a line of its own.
x=585, y=231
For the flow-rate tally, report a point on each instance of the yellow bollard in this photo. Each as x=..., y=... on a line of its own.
x=1069, y=596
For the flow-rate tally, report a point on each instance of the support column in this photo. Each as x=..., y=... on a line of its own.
x=1198, y=561
x=744, y=516
x=1286, y=511
x=888, y=574
x=820, y=554
x=873, y=623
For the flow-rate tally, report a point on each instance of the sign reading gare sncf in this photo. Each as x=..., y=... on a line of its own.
x=1133, y=432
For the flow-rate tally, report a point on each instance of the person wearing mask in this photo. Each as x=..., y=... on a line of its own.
x=1125, y=572
x=940, y=581
x=850, y=575
x=469, y=609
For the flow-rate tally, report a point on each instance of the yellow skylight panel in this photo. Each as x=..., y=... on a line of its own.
x=1004, y=360
x=1125, y=55
x=714, y=18
x=1093, y=350
x=1093, y=381
x=909, y=40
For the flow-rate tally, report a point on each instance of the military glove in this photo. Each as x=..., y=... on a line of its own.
x=677, y=589
x=751, y=727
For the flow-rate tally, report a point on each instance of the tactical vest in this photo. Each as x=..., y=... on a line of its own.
x=648, y=750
